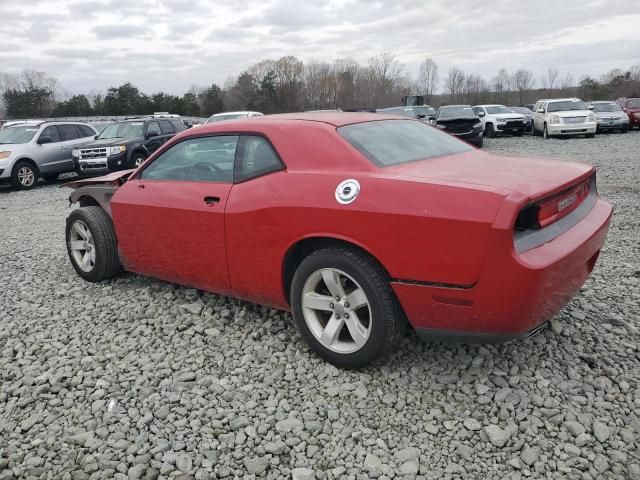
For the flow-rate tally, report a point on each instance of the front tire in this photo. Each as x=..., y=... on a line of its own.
x=344, y=307
x=92, y=245
x=590, y=135
x=545, y=132
x=137, y=159
x=24, y=176
x=489, y=132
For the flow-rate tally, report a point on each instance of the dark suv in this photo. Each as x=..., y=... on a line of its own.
x=125, y=144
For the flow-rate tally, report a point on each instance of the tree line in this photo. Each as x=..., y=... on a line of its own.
x=288, y=84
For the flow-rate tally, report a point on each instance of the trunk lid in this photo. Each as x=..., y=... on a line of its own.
x=532, y=177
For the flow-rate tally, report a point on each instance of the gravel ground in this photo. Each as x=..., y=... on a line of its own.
x=137, y=378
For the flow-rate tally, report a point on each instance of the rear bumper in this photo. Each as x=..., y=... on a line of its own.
x=515, y=293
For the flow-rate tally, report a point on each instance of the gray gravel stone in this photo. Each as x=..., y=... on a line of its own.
x=136, y=373
x=497, y=436
x=302, y=474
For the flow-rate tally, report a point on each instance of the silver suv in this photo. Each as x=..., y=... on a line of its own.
x=40, y=149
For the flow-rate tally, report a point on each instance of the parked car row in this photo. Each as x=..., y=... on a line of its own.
x=45, y=149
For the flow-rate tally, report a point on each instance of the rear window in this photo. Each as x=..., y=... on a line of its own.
x=392, y=142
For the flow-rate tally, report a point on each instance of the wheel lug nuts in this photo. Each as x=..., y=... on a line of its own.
x=337, y=299
x=346, y=304
x=331, y=305
x=337, y=315
x=346, y=315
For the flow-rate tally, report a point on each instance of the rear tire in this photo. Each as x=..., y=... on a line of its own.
x=24, y=175
x=319, y=308
x=590, y=135
x=91, y=244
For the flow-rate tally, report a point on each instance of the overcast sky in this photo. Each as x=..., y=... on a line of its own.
x=171, y=44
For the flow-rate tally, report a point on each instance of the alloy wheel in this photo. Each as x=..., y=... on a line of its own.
x=82, y=246
x=336, y=310
x=26, y=176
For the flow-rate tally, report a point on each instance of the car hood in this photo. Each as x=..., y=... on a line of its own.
x=610, y=114
x=115, y=178
x=109, y=142
x=458, y=119
x=532, y=177
x=571, y=113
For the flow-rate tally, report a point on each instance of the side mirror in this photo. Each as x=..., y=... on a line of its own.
x=95, y=137
x=44, y=139
x=590, y=107
x=481, y=114
x=540, y=110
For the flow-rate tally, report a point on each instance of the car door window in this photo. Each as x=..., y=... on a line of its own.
x=52, y=132
x=153, y=129
x=165, y=127
x=68, y=132
x=256, y=157
x=86, y=131
x=202, y=159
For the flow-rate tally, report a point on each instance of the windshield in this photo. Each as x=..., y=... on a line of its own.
x=498, y=109
x=392, y=142
x=605, y=107
x=423, y=111
x=220, y=118
x=524, y=110
x=633, y=103
x=22, y=134
x=456, y=112
x=566, y=106
x=123, y=130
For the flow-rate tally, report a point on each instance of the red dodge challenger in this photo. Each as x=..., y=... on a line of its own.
x=357, y=223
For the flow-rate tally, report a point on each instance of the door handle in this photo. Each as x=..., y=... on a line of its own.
x=211, y=200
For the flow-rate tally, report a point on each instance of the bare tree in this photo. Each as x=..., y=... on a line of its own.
x=501, y=84
x=522, y=81
x=428, y=78
x=455, y=83
x=385, y=70
x=552, y=78
x=567, y=82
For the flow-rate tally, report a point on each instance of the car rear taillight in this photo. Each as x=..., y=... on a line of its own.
x=550, y=209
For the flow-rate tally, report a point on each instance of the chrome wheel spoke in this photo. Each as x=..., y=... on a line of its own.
x=331, y=279
x=356, y=299
x=359, y=333
x=317, y=301
x=81, y=246
x=78, y=245
x=332, y=331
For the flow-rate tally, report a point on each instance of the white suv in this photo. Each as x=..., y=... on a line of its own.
x=499, y=119
x=563, y=116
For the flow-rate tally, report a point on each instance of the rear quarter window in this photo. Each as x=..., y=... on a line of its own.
x=392, y=142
